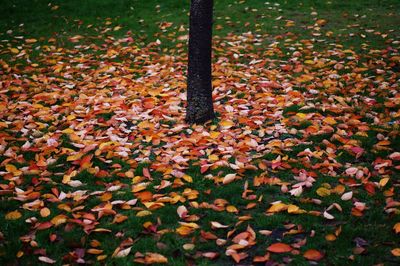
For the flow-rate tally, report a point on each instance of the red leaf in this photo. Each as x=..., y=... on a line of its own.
x=279, y=248
x=313, y=254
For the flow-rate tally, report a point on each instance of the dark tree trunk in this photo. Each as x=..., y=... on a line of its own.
x=199, y=89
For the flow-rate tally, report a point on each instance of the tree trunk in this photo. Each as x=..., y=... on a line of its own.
x=199, y=89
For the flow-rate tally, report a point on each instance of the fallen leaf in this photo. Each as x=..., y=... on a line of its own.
x=14, y=215
x=182, y=211
x=323, y=192
x=396, y=228
x=121, y=253
x=347, y=196
x=229, y=178
x=217, y=225
x=46, y=260
x=44, y=212
x=396, y=252
x=279, y=248
x=313, y=254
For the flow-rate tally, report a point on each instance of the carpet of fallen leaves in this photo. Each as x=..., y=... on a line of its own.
x=93, y=137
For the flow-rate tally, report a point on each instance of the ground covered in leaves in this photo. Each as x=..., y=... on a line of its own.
x=302, y=164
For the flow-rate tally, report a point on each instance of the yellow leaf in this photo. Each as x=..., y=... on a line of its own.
x=68, y=131
x=129, y=174
x=44, y=212
x=75, y=156
x=67, y=178
x=213, y=157
x=226, y=124
x=330, y=121
x=143, y=213
x=191, y=225
x=12, y=169
x=59, y=219
x=293, y=208
x=14, y=215
x=145, y=124
x=383, y=181
x=214, y=134
x=101, y=257
x=187, y=178
x=14, y=50
x=140, y=187
x=301, y=115
x=323, y=192
x=71, y=117
x=277, y=207
x=184, y=230
x=232, y=208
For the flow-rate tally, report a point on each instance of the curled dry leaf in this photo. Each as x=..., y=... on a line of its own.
x=217, y=225
x=188, y=246
x=210, y=255
x=121, y=253
x=328, y=216
x=46, y=260
x=152, y=258
x=296, y=191
x=347, y=196
x=229, y=178
x=182, y=211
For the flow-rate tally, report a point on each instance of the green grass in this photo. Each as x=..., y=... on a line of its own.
x=142, y=19
x=358, y=25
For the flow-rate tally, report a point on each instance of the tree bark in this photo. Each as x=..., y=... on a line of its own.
x=199, y=88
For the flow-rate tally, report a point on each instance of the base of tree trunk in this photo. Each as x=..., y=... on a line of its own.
x=199, y=114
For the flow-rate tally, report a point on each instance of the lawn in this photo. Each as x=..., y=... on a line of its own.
x=301, y=165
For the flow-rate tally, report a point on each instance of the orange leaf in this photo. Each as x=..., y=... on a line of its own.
x=313, y=254
x=330, y=237
x=59, y=219
x=45, y=212
x=396, y=252
x=279, y=248
x=396, y=228
x=155, y=258
x=14, y=215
